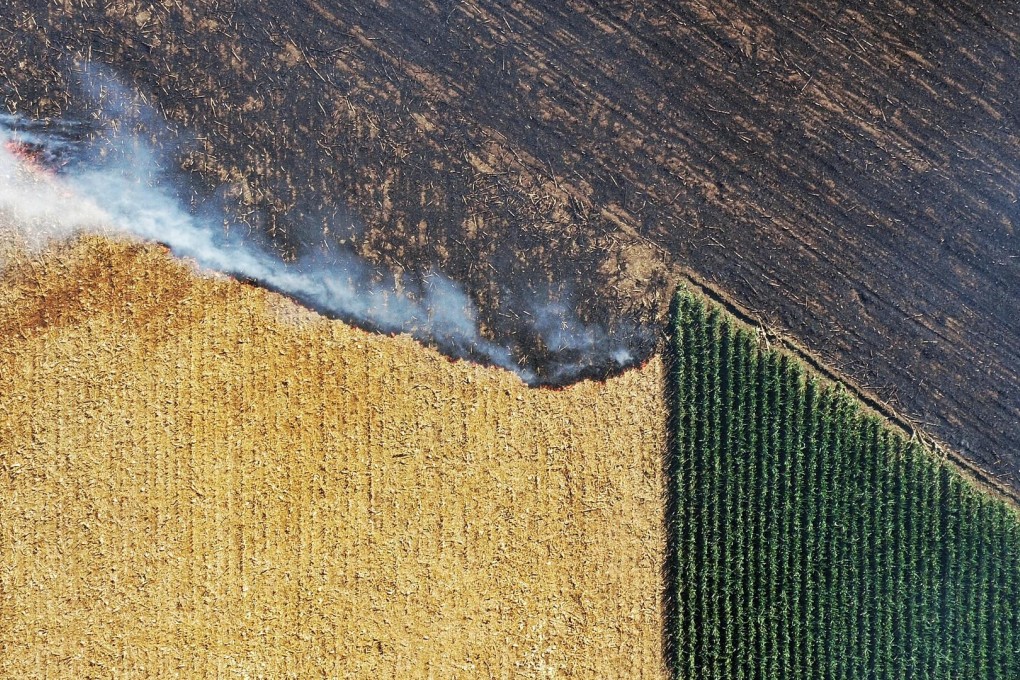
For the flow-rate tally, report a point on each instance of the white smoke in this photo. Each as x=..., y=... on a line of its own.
x=576, y=347
x=39, y=204
x=116, y=184
x=60, y=178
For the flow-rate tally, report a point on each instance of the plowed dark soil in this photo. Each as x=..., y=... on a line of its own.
x=847, y=175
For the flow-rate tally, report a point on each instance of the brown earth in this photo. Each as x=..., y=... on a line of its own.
x=200, y=478
x=847, y=174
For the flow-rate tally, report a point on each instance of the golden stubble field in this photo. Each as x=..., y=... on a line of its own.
x=199, y=478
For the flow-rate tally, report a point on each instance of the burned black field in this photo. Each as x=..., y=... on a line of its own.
x=846, y=177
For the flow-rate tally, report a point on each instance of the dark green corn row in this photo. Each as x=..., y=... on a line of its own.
x=810, y=541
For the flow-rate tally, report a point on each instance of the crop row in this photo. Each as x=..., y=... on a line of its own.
x=809, y=540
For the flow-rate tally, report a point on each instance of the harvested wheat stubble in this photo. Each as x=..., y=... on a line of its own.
x=199, y=478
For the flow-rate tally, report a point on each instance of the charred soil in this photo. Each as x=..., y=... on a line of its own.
x=847, y=176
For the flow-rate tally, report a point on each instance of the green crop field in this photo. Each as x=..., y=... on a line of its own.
x=810, y=540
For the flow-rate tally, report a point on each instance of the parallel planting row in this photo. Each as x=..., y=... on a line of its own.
x=808, y=540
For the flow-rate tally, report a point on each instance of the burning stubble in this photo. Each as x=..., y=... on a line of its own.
x=105, y=175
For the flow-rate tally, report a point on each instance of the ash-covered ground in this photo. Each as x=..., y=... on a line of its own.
x=848, y=175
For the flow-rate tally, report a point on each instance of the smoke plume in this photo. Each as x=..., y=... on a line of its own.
x=103, y=174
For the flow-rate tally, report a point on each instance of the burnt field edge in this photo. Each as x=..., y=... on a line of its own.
x=767, y=337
